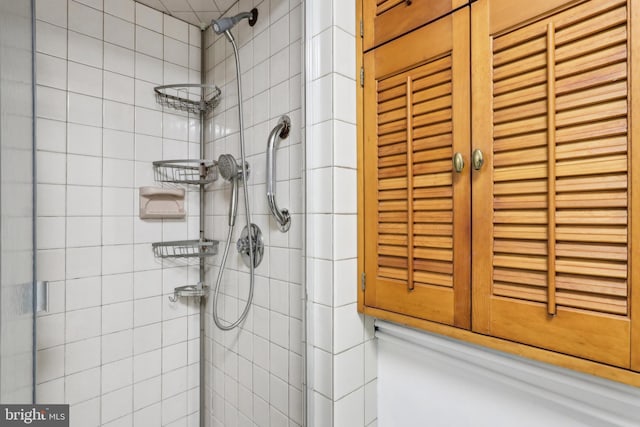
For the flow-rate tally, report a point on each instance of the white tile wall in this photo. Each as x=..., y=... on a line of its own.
x=341, y=368
x=111, y=345
x=254, y=374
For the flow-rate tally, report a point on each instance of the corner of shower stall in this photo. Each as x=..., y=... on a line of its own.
x=255, y=374
x=114, y=346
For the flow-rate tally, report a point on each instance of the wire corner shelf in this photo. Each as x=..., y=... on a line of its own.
x=185, y=248
x=190, y=97
x=193, y=171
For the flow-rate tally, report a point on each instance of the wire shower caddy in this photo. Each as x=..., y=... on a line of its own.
x=196, y=99
x=185, y=248
x=196, y=171
x=190, y=97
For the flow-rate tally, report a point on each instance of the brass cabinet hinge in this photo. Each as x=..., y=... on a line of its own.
x=363, y=281
x=362, y=76
x=361, y=29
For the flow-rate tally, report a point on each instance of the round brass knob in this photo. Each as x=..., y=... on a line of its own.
x=458, y=162
x=477, y=159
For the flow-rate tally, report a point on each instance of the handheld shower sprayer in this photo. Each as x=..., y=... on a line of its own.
x=232, y=172
x=223, y=25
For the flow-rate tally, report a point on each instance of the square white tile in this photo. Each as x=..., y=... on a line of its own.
x=119, y=60
x=85, y=20
x=52, y=11
x=116, y=375
x=82, y=386
x=117, y=259
x=348, y=371
x=117, y=404
x=147, y=311
x=117, y=288
x=117, y=346
x=83, y=293
x=82, y=324
x=149, y=42
x=51, y=167
x=50, y=331
x=351, y=330
x=119, y=32
x=118, y=87
x=85, y=110
x=83, y=262
x=83, y=139
x=51, y=135
x=176, y=28
x=51, y=103
x=118, y=144
x=147, y=365
x=83, y=201
x=86, y=50
x=176, y=52
x=147, y=392
x=51, y=39
x=349, y=411
x=51, y=71
x=118, y=116
x=117, y=317
x=148, y=68
x=148, y=17
x=124, y=9
x=50, y=363
x=82, y=355
x=148, y=122
x=84, y=170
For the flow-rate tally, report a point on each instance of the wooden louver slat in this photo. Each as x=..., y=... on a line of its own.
x=561, y=161
x=414, y=175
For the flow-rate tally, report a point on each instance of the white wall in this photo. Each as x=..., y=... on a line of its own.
x=16, y=203
x=424, y=377
x=112, y=345
x=341, y=353
x=254, y=374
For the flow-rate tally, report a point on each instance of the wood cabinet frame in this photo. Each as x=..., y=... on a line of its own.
x=571, y=362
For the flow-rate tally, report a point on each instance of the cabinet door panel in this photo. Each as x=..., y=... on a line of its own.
x=385, y=20
x=551, y=203
x=416, y=207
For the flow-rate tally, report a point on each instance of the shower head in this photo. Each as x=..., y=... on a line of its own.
x=232, y=172
x=223, y=25
x=228, y=167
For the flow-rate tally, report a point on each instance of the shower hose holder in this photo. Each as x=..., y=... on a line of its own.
x=199, y=290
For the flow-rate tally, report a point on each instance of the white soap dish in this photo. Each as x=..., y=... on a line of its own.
x=158, y=203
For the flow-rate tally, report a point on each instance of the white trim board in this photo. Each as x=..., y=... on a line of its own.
x=591, y=400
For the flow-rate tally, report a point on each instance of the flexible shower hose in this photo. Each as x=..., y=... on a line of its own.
x=216, y=293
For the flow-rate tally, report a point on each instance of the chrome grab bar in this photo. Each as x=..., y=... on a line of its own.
x=280, y=131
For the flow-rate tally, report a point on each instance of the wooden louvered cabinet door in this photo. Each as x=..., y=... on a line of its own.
x=384, y=20
x=552, y=223
x=416, y=208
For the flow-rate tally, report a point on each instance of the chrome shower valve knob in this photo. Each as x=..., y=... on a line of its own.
x=257, y=244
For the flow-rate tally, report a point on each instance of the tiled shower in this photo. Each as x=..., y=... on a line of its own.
x=256, y=372
x=111, y=344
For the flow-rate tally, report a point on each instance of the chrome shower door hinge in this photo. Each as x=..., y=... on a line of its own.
x=362, y=76
x=363, y=281
x=42, y=296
